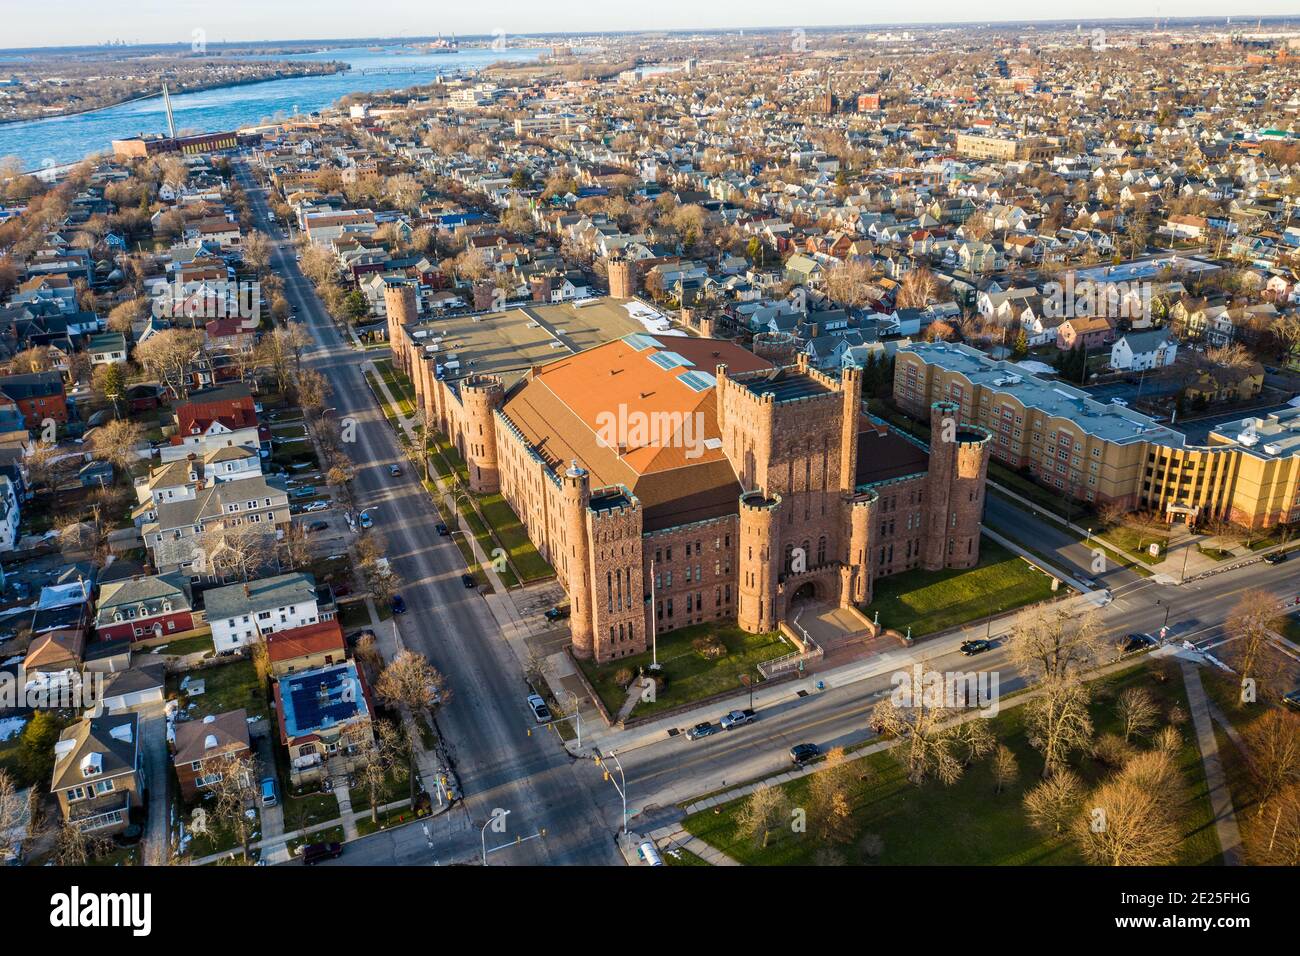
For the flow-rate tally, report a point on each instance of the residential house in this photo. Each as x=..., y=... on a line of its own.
x=204, y=747
x=241, y=614
x=141, y=608
x=36, y=396
x=98, y=766
x=304, y=648
x=1139, y=351
x=1092, y=332
x=325, y=719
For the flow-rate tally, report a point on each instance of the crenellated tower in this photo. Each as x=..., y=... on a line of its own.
x=481, y=396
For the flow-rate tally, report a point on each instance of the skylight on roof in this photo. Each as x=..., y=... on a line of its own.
x=697, y=381
x=667, y=360
x=640, y=342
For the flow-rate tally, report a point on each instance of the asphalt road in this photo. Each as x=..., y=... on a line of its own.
x=486, y=722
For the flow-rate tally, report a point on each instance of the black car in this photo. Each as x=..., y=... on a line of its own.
x=468, y=581
x=441, y=529
x=977, y=646
x=318, y=526
x=705, y=729
x=557, y=614
x=1137, y=642
x=802, y=753
x=1277, y=557
x=399, y=605
x=313, y=853
x=1292, y=700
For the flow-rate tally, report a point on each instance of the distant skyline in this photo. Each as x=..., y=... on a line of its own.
x=91, y=22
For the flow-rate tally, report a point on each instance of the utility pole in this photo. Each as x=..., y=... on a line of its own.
x=622, y=790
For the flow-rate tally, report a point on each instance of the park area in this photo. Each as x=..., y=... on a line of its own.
x=891, y=821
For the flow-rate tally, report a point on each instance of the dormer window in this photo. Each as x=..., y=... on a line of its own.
x=92, y=765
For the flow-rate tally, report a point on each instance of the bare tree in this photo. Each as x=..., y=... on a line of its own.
x=74, y=846
x=233, y=784
x=13, y=811
x=379, y=761
x=235, y=550
x=1051, y=644
x=766, y=809
x=1058, y=722
x=916, y=290
x=1006, y=769
x=849, y=283
x=1137, y=712
x=1133, y=819
x=830, y=804
x=169, y=355
x=1274, y=837
x=1250, y=623
x=115, y=442
x=1273, y=753
x=1053, y=803
x=411, y=684
x=935, y=743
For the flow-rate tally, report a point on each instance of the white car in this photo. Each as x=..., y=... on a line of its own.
x=317, y=506
x=539, y=708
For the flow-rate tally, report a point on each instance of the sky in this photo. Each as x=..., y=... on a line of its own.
x=26, y=23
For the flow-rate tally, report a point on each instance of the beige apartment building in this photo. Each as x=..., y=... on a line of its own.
x=1005, y=147
x=1097, y=452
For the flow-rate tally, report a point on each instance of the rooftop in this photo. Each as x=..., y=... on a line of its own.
x=1108, y=422
x=321, y=698
x=507, y=344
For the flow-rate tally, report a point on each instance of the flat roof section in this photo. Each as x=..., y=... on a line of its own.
x=788, y=386
x=1107, y=421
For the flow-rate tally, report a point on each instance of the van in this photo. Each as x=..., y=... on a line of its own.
x=268, y=792
x=649, y=855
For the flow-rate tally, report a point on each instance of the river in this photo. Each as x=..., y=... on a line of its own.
x=66, y=139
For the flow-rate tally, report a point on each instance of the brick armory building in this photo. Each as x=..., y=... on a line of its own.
x=726, y=486
x=1248, y=473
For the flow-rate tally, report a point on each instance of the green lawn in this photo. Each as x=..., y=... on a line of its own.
x=189, y=645
x=930, y=601
x=967, y=823
x=328, y=835
x=227, y=687
x=509, y=530
x=1291, y=627
x=690, y=675
x=1135, y=540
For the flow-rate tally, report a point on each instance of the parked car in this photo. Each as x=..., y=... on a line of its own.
x=1277, y=557
x=1292, y=700
x=468, y=581
x=977, y=646
x=1136, y=642
x=540, y=710
x=557, y=613
x=648, y=855
x=313, y=853
x=268, y=792
x=306, y=491
x=399, y=604
x=737, y=718
x=318, y=526
x=705, y=729
x=366, y=520
x=441, y=529
x=802, y=753
x=317, y=506
x=395, y=470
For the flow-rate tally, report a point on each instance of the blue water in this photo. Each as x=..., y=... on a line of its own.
x=66, y=139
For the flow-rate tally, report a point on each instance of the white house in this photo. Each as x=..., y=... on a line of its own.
x=1139, y=351
x=242, y=614
x=8, y=515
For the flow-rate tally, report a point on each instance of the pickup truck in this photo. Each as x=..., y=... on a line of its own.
x=737, y=718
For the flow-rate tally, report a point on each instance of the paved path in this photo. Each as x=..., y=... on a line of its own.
x=157, y=836
x=345, y=808
x=667, y=837
x=1216, y=781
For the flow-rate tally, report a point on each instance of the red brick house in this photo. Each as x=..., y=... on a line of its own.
x=142, y=608
x=203, y=746
x=37, y=396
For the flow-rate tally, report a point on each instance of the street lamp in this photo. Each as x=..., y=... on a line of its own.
x=483, y=832
x=622, y=790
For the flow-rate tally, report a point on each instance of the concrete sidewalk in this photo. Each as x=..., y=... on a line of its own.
x=1216, y=780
